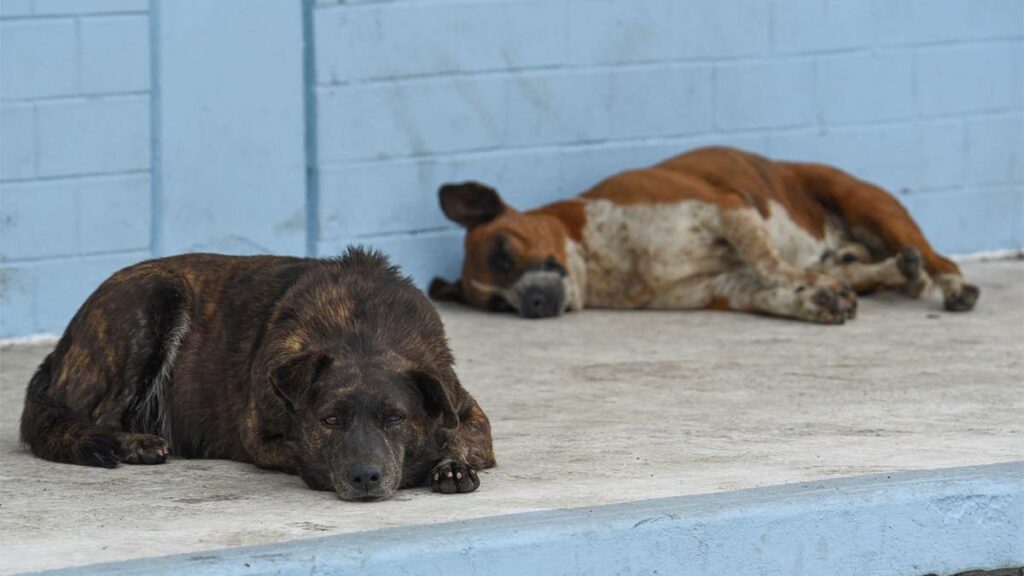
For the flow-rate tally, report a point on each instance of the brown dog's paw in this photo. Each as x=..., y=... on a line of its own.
x=829, y=304
x=963, y=300
x=910, y=263
x=450, y=477
x=144, y=449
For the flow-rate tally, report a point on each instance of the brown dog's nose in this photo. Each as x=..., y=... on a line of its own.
x=537, y=303
x=364, y=477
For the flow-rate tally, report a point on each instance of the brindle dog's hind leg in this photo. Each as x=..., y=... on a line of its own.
x=98, y=399
x=468, y=449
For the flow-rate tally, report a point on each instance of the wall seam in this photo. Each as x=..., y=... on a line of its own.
x=310, y=120
x=156, y=159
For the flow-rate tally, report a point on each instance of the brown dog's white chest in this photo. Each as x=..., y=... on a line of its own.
x=664, y=255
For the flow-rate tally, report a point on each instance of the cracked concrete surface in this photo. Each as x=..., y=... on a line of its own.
x=593, y=408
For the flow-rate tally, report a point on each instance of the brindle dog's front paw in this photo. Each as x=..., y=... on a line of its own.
x=144, y=449
x=450, y=477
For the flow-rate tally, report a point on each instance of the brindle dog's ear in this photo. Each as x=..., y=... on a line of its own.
x=470, y=203
x=293, y=377
x=436, y=399
x=441, y=289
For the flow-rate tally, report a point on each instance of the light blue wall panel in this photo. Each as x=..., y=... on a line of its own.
x=230, y=118
x=75, y=158
x=298, y=127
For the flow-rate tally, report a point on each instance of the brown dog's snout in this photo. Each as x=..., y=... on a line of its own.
x=540, y=303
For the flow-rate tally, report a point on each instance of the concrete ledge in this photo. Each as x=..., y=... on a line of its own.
x=942, y=522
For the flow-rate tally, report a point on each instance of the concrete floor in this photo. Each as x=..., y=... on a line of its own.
x=594, y=408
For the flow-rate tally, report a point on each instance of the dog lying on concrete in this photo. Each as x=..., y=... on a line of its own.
x=713, y=228
x=336, y=370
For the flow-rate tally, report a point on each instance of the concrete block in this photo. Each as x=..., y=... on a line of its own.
x=902, y=158
x=864, y=88
x=976, y=77
x=115, y=54
x=17, y=304
x=383, y=40
x=401, y=196
x=764, y=94
x=61, y=286
x=622, y=31
x=39, y=220
x=965, y=221
x=37, y=58
x=15, y=8
x=995, y=18
x=556, y=108
x=616, y=31
x=17, y=142
x=410, y=118
x=110, y=134
x=807, y=26
x=905, y=22
x=723, y=29
x=76, y=7
x=661, y=102
x=995, y=149
x=114, y=213
x=421, y=256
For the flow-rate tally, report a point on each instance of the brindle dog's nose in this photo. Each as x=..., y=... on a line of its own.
x=364, y=477
x=536, y=303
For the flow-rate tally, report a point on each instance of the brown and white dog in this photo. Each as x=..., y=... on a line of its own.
x=713, y=228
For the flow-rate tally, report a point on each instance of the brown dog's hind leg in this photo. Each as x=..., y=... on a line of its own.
x=817, y=299
x=766, y=283
x=467, y=450
x=852, y=264
x=876, y=219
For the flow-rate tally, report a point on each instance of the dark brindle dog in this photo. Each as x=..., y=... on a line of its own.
x=336, y=370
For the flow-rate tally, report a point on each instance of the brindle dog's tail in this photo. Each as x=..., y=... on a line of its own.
x=54, y=432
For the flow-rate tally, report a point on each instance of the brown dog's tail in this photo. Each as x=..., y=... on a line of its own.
x=54, y=432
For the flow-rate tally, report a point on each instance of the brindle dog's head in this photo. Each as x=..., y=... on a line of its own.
x=360, y=364
x=513, y=260
x=364, y=427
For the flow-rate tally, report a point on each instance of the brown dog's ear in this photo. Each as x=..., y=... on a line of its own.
x=443, y=290
x=293, y=377
x=470, y=203
x=437, y=400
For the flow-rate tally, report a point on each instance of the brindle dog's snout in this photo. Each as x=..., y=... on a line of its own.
x=540, y=303
x=364, y=479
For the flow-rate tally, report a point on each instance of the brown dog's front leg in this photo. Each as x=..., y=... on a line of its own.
x=467, y=450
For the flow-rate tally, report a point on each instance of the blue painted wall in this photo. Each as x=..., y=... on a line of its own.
x=134, y=128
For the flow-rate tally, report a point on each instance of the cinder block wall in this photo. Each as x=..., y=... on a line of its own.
x=75, y=150
x=301, y=131
x=544, y=98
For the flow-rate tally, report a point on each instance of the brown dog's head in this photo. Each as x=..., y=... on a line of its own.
x=360, y=364
x=514, y=260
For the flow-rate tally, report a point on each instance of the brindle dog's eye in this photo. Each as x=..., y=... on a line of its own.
x=394, y=419
x=331, y=421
